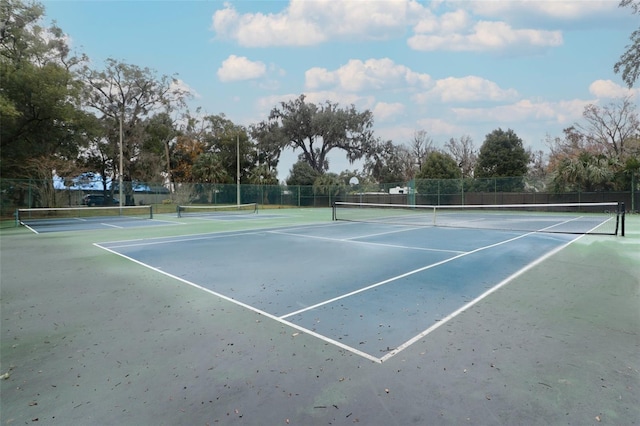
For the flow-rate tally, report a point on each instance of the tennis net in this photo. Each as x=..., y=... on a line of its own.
x=62, y=215
x=566, y=218
x=202, y=210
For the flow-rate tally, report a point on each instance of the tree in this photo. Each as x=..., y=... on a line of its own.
x=189, y=144
x=39, y=94
x=230, y=142
x=571, y=145
x=611, y=132
x=587, y=172
x=302, y=174
x=421, y=146
x=98, y=155
x=128, y=95
x=262, y=175
x=439, y=174
x=464, y=154
x=502, y=155
x=17, y=45
x=267, y=136
x=263, y=182
x=611, y=127
x=161, y=130
x=629, y=62
x=317, y=130
x=328, y=184
x=218, y=135
x=538, y=168
x=389, y=163
x=208, y=169
x=439, y=165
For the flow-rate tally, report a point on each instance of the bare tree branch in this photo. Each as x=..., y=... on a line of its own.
x=629, y=63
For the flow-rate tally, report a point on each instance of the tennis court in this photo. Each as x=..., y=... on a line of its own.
x=368, y=288
x=40, y=220
x=301, y=319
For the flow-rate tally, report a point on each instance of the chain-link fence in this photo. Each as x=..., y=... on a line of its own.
x=34, y=193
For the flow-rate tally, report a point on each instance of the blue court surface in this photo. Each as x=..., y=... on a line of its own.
x=95, y=223
x=40, y=226
x=235, y=217
x=372, y=289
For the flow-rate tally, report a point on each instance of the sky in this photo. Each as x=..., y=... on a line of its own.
x=450, y=68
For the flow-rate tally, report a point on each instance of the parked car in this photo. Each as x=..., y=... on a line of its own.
x=92, y=200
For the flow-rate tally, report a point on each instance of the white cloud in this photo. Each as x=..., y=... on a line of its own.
x=305, y=23
x=367, y=19
x=225, y=20
x=384, y=111
x=567, y=112
x=397, y=134
x=264, y=104
x=486, y=36
x=450, y=22
x=236, y=68
x=609, y=89
x=372, y=74
x=466, y=89
x=319, y=77
x=262, y=30
x=566, y=10
x=440, y=127
x=563, y=112
x=343, y=99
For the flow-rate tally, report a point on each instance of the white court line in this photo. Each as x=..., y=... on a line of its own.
x=352, y=240
x=395, y=231
x=251, y=308
x=29, y=228
x=204, y=236
x=112, y=225
x=404, y=228
x=181, y=240
x=208, y=218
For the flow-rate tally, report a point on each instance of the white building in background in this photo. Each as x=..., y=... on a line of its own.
x=399, y=190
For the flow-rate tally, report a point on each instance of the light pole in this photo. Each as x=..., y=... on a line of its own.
x=238, y=170
x=121, y=171
x=119, y=114
x=461, y=183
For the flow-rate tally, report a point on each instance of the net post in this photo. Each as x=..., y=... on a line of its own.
x=333, y=211
x=178, y=210
x=150, y=211
x=621, y=214
x=16, y=215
